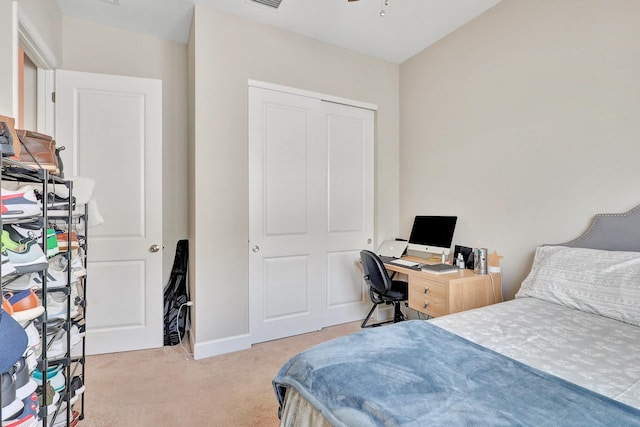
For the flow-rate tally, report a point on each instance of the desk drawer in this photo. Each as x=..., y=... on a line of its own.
x=428, y=297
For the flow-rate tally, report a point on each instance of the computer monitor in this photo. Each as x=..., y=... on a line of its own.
x=432, y=234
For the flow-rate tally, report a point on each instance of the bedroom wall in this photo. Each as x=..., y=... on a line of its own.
x=45, y=17
x=227, y=51
x=524, y=123
x=6, y=51
x=96, y=48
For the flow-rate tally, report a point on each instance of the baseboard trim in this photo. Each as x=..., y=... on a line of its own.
x=221, y=346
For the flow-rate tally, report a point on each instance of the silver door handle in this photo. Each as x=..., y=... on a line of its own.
x=255, y=249
x=154, y=248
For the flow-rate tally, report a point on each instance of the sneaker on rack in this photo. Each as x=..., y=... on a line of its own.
x=25, y=305
x=25, y=257
x=29, y=420
x=29, y=415
x=61, y=419
x=77, y=386
x=59, y=345
x=57, y=306
x=23, y=232
x=32, y=355
x=25, y=385
x=59, y=206
x=34, y=340
x=63, y=241
x=55, y=279
x=7, y=267
x=11, y=405
x=55, y=377
x=26, y=231
x=19, y=203
x=17, y=283
x=77, y=264
x=52, y=242
x=8, y=243
x=60, y=263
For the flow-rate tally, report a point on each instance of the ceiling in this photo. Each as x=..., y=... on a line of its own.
x=407, y=27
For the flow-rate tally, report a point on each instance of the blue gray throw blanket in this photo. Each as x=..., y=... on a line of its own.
x=416, y=374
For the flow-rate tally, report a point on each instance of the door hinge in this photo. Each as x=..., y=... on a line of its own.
x=53, y=97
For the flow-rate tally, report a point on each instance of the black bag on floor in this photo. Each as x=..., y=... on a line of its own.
x=176, y=314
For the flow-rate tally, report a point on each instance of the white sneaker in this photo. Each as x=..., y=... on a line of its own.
x=7, y=267
x=55, y=279
x=19, y=283
x=20, y=203
x=60, y=263
x=57, y=306
x=59, y=345
x=33, y=336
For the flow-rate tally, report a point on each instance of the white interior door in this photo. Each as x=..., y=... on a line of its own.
x=285, y=214
x=310, y=212
x=348, y=133
x=112, y=129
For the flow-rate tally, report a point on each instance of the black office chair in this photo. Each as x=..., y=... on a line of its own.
x=382, y=289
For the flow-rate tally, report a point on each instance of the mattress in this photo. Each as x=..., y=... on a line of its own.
x=594, y=352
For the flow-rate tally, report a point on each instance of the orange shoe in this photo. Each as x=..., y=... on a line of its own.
x=25, y=305
x=63, y=241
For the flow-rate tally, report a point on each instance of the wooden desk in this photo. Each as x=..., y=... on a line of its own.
x=440, y=294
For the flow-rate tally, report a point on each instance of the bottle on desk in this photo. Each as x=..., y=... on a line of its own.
x=443, y=258
x=460, y=260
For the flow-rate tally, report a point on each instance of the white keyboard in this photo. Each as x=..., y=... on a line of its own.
x=405, y=263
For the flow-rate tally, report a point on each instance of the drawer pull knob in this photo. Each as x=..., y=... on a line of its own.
x=426, y=304
x=426, y=289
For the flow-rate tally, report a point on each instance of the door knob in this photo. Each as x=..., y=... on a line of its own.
x=255, y=249
x=154, y=248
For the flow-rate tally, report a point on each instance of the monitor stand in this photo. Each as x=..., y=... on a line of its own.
x=429, y=257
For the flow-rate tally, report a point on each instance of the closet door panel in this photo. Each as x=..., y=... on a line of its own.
x=310, y=212
x=350, y=142
x=286, y=167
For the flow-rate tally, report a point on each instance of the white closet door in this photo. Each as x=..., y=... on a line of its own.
x=310, y=212
x=286, y=214
x=348, y=134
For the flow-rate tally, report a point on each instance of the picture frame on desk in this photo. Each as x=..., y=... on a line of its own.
x=467, y=254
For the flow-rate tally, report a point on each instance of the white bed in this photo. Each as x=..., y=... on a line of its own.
x=595, y=352
x=576, y=317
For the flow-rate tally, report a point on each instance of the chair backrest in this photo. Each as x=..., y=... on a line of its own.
x=375, y=274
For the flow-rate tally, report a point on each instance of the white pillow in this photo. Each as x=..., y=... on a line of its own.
x=606, y=283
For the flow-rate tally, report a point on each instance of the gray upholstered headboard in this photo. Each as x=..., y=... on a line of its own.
x=612, y=232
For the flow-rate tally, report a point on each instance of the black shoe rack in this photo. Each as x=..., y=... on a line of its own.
x=70, y=404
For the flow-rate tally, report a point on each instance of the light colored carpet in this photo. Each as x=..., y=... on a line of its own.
x=165, y=387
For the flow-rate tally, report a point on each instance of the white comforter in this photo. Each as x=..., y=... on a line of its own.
x=595, y=352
